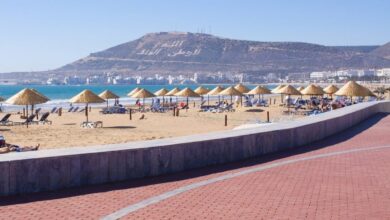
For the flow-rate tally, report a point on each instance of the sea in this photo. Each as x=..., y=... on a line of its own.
x=59, y=95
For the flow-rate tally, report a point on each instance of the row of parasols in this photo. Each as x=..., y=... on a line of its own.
x=351, y=89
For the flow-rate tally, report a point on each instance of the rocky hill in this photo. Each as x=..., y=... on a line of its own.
x=170, y=52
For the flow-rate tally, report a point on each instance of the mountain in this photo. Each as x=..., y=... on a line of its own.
x=383, y=51
x=178, y=52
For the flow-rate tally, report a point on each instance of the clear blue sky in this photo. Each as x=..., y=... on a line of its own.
x=46, y=34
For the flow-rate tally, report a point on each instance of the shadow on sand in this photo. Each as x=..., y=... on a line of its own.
x=196, y=172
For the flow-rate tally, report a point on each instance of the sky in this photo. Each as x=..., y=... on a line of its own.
x=47, y=34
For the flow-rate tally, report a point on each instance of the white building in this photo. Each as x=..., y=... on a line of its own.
x=385, y=72
x=318, y=75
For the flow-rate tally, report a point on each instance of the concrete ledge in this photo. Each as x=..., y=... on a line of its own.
x=49, y=170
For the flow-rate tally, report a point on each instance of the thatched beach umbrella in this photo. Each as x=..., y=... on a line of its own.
x=259, y=90
x=241, y=88
x=312, y=90
x=86, y=97
x=201, y=90
x=277, y=88
x=142, y=94
x=214, y=91
x=289, y=91
x=351, y=89
x=162, y=92
x=173, y=92
x=230, y=91
x=27, y=97
x=187, y=92
x=107, y=94
x=331, y=89
x=132, y=92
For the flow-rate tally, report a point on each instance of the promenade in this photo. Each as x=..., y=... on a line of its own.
x=345, y=176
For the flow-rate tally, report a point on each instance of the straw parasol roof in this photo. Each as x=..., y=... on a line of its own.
x=161, y=92
x=300, y=88
x=259, y=90
x=331, y=89
x=38, y=93
x=216, y=90
x=132, y=92
x=230, y=91
x=276, y=90
x=312, y=90
x=289, y=90
x=107, y=94
x=27, y=97
x=351, y=88
x=201, y=90
x=86, y=96
x=241, y=88
x=143, y=93
x=187, y=92
x=173, y=92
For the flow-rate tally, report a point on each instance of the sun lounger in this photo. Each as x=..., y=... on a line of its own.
x=75, y=109
x=43, y=119
x=5, y=121
x=29, y=120
x=82, y=110
x=53, y=110
x=70, y=109
x=37, y=110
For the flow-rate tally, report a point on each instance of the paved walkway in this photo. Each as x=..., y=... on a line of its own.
x=343, y=177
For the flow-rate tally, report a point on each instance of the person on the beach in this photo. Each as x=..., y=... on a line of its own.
x=5, y=147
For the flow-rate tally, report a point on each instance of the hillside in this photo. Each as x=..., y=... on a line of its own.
x=170, y=52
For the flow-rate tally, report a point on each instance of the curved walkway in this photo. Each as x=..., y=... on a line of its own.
x=345, y=176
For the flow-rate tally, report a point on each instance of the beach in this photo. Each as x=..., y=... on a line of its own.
x=65, y=130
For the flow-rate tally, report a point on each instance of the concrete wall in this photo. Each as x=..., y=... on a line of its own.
x=48, y=170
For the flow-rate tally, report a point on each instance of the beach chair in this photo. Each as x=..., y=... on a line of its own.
x=70, y=109
x=82, y=110
x=5, y=121
x=53, y=110
x=201, y=104
x=43, y=119
x=75, y=109
x=29, y=120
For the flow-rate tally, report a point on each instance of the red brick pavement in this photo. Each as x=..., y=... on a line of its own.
x=348, y=186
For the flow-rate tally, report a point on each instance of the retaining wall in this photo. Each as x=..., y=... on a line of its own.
x=48, y=170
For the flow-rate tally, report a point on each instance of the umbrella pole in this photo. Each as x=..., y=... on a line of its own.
x=86, y=112
x=208, y=100
x=231, y=99
x=187, y=101
x=107, y=103
x=288, y=104
x=27, y=115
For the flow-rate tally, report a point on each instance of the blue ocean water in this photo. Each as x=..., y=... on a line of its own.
x=59, y=95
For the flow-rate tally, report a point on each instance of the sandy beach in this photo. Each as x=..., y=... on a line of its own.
x=65, y=130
